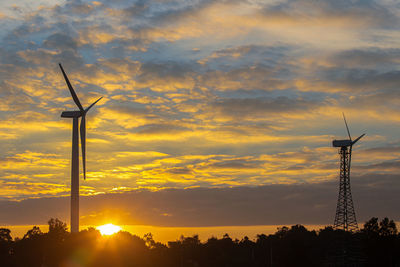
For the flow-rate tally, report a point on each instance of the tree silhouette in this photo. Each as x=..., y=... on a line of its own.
x=387, y=227
x=33, y=233
x=5, y=246
x=5, y=235
x=371, y=227
x=57, y=227
x=288, y=246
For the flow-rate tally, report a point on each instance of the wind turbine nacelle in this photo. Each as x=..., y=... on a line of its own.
x=71, y=114
x=341, y=143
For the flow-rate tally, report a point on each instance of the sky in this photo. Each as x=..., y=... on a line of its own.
x=213, y=112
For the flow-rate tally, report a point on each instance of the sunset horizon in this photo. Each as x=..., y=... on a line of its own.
x=187, y=115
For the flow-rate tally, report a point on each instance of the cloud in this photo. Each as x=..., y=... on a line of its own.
x=60, y=41
x=340, y=13
x=367, y=58
x=273, y=204
x=261, y=107
x=21, y=189
x=360, y=79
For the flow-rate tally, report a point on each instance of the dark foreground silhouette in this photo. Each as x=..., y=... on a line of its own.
x=377, y=244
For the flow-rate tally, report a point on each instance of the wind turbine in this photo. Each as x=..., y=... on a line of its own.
x=75, y=150
x=345, y=217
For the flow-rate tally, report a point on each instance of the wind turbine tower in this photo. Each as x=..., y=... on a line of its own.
x=75, y=115
x=345, y=218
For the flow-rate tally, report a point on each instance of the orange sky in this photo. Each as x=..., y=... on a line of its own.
x=200, y=94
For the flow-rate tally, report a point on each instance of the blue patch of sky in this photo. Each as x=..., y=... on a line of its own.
x=16, y=12
x=6, y=25
x=16, y=7
x=182, y=50
x=90, y=55
x=163, y=51
x=233, y=57
x=156, y=52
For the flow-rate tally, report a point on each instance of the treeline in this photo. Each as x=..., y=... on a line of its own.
x=376, y=244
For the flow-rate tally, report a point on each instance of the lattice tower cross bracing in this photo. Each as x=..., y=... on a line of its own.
x=345, y=217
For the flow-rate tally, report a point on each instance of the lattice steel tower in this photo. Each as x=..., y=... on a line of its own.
x=345, y=218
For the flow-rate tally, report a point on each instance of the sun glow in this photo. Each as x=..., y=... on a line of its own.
x=109, y=229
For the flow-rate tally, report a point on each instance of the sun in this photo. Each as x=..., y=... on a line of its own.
x=109, y=229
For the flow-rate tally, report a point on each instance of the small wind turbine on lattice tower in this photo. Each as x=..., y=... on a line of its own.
x=345, y=218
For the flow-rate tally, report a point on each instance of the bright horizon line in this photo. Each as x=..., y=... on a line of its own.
x=171, y=233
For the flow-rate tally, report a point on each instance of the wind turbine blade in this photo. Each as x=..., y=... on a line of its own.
x=87, y=109
x=347, y=127
x=74, y=96
x=83, y=144
x=352, y=143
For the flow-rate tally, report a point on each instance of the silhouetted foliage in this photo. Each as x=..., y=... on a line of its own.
x=57, y=228
x=376, y=244
x=33, y=233
x=5, y=235
x=382, y=242
x=5, y=246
